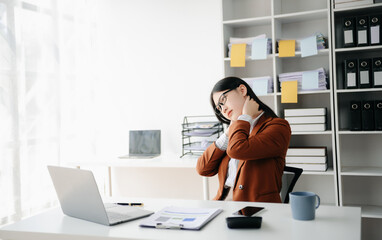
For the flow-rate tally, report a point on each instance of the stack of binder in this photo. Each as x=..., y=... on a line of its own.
x=249, y=41
x=307, y=158
x=306, y=119
x=363, y=73
x=361, y=31
x=366, y=115
x=293, y=76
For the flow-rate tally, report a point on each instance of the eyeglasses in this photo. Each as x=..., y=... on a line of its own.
x=222, y=101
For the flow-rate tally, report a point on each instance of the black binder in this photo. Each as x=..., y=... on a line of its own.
x=351, y=73
x=375, y=29
x=362, y=31
x=368, y=115
x=377, y=72
x=355, y=116
x=349, y=32
x=378, y=115
x=364, y=73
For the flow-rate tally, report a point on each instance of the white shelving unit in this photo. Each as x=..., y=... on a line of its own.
x=289, y=19
x=359, y=153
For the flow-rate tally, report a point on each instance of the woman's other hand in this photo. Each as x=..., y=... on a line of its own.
x=251, y=107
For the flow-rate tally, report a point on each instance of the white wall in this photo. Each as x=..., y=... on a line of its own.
x=158, y=63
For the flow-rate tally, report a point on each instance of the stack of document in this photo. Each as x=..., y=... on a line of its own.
x=203, y=125
x=181, y=218
x=320, y=40
x=316, y=83
x=306, y=119
x=249, y=42
x=198, y=146
x=307, y=158
x=208, y=132
x=260, y=85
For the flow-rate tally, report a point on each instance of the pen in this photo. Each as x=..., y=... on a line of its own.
x=131, y=204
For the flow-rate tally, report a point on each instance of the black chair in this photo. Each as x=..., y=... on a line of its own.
x=297, y=173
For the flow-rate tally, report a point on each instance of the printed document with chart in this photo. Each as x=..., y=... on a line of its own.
x=181, y=218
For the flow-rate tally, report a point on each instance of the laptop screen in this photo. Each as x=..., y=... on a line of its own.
x=144, y=142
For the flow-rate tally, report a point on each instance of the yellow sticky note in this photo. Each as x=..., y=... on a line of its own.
x=287, y=48
x=238, y=55
x=289, y=92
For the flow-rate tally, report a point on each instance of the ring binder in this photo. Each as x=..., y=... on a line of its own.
x=351, y=74
x=362, y=31
x=364, y=73
x=349, y=32
x=377, y=72
x=355, y=116
x=368, y=115
x=378, y=115
x=375, y=26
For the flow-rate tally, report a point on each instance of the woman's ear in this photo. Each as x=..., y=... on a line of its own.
x=243, y=90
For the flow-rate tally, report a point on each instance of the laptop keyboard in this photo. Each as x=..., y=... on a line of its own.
x=117, y=217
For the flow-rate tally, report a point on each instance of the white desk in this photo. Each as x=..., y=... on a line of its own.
x=163, y=161
x=330, y=223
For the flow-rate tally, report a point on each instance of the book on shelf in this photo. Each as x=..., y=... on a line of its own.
x=310, y=166
x=306, y=120
x=305, y=159
x=319, y=127
x=306, y=151
x=304, y=112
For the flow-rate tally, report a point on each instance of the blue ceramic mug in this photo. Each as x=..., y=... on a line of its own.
x=304, y=205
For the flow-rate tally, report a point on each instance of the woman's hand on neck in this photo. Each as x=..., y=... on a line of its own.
x=251, y=108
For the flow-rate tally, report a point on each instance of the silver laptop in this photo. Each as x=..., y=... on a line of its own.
x=79, y=197
x=144, y=144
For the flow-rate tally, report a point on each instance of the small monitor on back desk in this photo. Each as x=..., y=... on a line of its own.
x=144, y=144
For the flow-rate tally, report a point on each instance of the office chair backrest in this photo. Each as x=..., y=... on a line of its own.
x=297, y=173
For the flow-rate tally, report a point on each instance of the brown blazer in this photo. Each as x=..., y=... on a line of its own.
x=261, y=158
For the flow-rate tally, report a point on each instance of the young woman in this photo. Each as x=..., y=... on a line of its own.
x=249, y=157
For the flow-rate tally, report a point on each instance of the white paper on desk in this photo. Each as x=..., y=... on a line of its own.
x=309, y=46
x=188, y=218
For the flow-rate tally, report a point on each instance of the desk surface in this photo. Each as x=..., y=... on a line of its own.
x=165, y=161
x=330, y=223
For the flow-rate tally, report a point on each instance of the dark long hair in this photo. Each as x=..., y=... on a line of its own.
x=229, y=83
